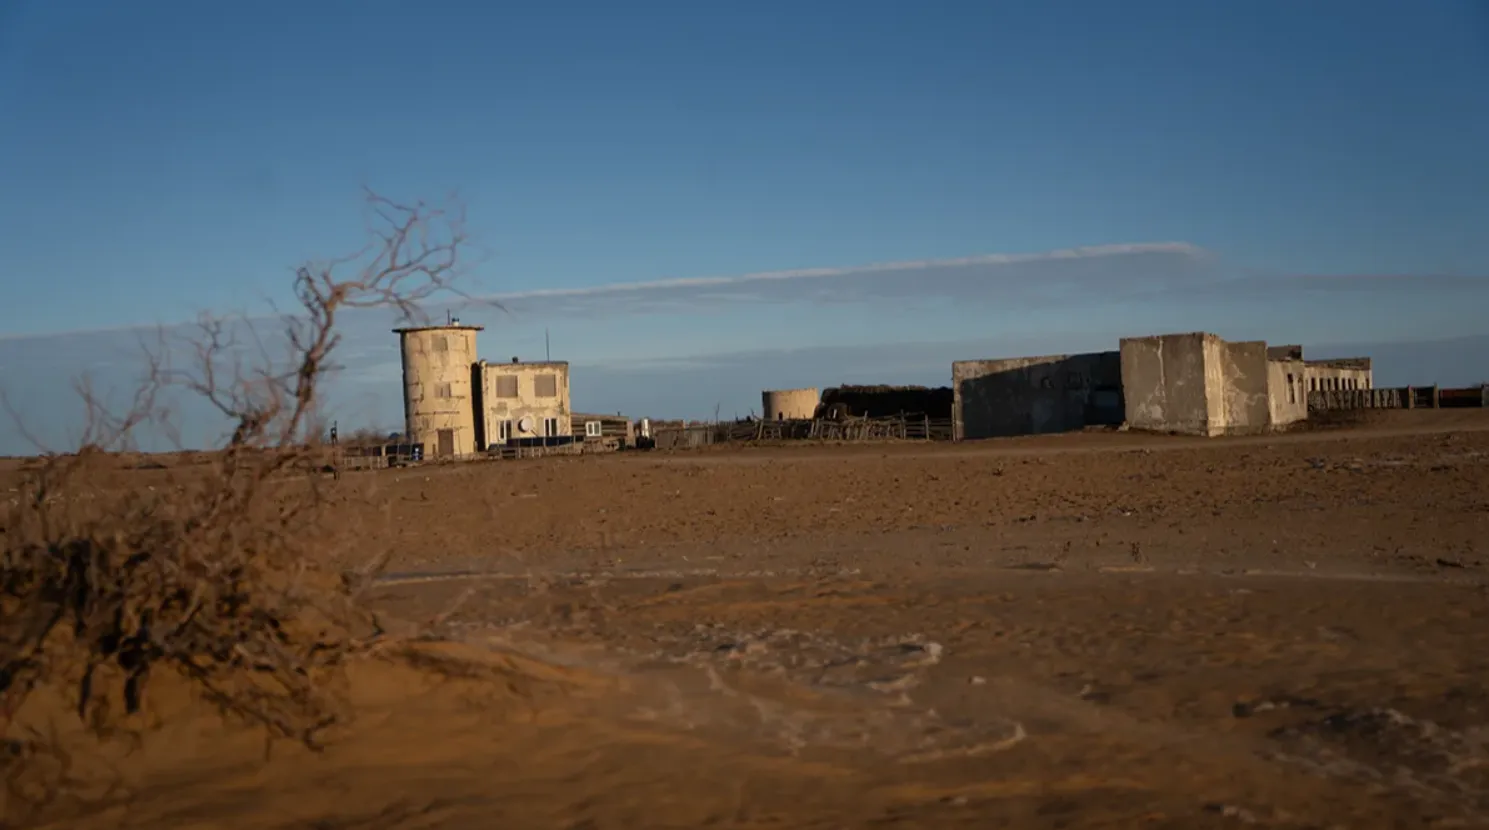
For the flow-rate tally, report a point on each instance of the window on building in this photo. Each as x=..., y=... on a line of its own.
x=444, y=390
x=1292, y=391
x=545, y=386
x=550, y=427
x=506, y=386
x=593, y=429
x=503, y=431
x=441, y=343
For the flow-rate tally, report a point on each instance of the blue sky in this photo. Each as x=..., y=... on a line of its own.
x=1295, y=171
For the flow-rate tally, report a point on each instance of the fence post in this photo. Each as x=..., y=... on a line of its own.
x=1435, y=399
x=1411, y=397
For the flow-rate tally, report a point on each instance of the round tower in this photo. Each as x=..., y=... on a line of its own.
x=789, y=404
x=439, y=402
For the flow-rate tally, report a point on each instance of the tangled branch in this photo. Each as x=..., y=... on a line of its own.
x=217, y=574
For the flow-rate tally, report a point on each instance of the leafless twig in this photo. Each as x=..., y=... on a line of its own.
x=218, y=575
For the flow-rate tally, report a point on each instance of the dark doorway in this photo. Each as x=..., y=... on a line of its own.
x=446, y=439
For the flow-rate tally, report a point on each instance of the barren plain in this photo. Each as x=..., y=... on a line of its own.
x=1090, y=630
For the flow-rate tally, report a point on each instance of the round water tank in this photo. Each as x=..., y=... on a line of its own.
x=438, y=404
x=789, y=404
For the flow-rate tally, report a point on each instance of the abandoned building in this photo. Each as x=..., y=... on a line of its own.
x=1031, y=395
x=455, y=404
x=789, y=404
x=439, y=398
x=612, y=431
x=524, y=401
x=1195, y=383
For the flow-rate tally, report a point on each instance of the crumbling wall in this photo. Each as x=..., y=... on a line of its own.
x=1165, y=384
x=1244, y=388
x=1343, y=375
x=1032, y=395
x=1287, y=392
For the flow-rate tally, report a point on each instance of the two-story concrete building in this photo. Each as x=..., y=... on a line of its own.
x=521, y=401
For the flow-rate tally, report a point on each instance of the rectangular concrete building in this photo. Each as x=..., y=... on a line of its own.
x=1033, y=395
x=1287, y=385
x=1196, y=384
x=521, y=401
x=1343, y=374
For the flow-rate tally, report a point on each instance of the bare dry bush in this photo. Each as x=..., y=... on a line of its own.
x=218, y=573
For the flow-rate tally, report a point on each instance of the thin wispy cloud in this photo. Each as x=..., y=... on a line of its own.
x=1090, y=252
x=1109, y=270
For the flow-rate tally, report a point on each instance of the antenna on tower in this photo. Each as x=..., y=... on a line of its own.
x=547, y=346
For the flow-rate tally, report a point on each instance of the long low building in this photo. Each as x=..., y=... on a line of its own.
x=1193, y=383
x=1032, y=395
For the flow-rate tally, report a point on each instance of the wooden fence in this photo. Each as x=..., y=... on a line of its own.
x=897, y=428
x=1404, y=397
x=378, y=458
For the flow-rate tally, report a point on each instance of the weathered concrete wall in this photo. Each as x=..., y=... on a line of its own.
x=789, y=404
x=438, y=399
x=1287, y=391
x=1244, y=388
x=1214, y=350
x=1031, y=395
x=525, y=400
x=1165, y=383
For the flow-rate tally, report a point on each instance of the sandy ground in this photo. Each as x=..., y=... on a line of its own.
x=1095, y=630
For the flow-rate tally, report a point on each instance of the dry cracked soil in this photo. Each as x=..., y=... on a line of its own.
x=1089, y=630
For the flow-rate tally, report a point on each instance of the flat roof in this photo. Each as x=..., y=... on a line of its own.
x=524, y=363
x=1340, y=363
x=455, y=326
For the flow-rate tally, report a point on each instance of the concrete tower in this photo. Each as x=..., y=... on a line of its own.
x=439, y=402
x=789, y=404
